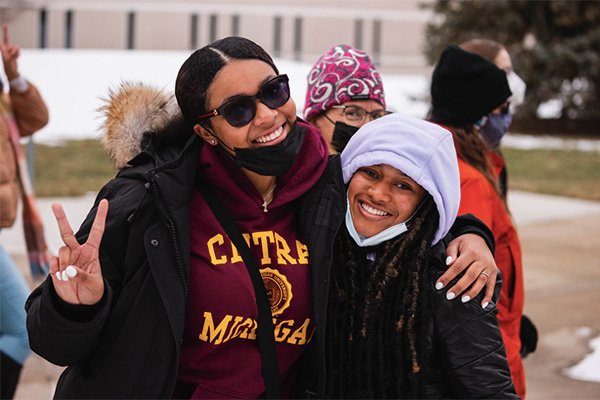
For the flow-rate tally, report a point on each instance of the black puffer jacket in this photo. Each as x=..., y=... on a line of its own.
x=467, y=359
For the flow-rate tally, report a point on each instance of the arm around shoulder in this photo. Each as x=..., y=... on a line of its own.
x=468, y=223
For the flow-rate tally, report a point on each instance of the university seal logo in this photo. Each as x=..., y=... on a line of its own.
x=279, y=290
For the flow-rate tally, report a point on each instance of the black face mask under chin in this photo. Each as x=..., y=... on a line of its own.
x=341, y=135
x=273, y=160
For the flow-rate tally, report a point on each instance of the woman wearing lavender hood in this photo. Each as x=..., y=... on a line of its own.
x=384, y=314
x=344, y=92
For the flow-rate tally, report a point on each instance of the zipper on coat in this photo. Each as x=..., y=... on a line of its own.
x=166, y=217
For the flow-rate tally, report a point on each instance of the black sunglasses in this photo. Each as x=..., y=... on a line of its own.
x=239, y=111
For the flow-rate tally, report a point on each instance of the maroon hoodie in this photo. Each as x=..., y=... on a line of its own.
x=219, y=354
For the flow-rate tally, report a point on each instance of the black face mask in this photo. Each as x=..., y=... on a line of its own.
x=273, y=160
x=341, y=135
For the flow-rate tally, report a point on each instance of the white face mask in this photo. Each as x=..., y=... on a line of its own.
x=386, y=234
x=518, y=88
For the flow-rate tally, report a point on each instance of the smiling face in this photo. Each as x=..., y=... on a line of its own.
x=381, y=196
x=245, y=78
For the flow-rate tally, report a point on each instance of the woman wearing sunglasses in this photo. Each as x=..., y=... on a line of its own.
x=154, y=299
x=466, y=90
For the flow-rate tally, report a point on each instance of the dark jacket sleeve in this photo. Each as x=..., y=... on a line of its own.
x=468, y=223
x=65, y=334
x=471, y=346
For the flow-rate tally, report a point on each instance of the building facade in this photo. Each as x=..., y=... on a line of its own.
x=392, y=31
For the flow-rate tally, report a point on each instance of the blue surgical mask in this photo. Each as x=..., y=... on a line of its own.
x=494, y=128
x=386, y=234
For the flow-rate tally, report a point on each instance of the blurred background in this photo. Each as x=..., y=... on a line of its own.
x=75, y=51
x=555, y=45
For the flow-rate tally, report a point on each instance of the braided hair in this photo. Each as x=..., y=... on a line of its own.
x=379, y=313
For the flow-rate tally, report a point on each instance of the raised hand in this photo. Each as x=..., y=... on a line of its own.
x=469, y=252
x=10, y=54
x=76, y=272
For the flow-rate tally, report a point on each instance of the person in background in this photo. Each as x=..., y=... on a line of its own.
x=498, y=123
x=390, y=333
x=345, y=92
x=465, y=89
x=22, y=107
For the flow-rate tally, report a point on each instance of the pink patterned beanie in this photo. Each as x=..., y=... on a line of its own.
x=341, y=74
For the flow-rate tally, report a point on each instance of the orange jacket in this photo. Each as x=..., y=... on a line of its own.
x=479, y=198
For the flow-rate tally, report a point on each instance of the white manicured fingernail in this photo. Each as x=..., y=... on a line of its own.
x=71, y=271
x=464, y=299
x=484, y=305
x=450, y=295
x=64, y=276
x=58, y=276
x=448, y=260
x=439, y=285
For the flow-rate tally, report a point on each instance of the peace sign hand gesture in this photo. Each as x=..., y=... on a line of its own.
x=76, y=272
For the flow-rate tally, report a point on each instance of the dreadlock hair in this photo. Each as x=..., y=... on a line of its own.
x=199, y=70
x=379, y=313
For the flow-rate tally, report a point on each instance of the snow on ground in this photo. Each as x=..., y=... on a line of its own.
x=527, y=142
x=73, y=82
x=587, y=369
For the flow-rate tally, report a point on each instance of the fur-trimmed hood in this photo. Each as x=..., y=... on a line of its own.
x=130, y=111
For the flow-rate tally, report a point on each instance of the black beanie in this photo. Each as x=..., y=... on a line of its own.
x=465, y=87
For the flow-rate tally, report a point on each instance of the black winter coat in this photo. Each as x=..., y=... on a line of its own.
x=467, y=358
x=127, y=346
